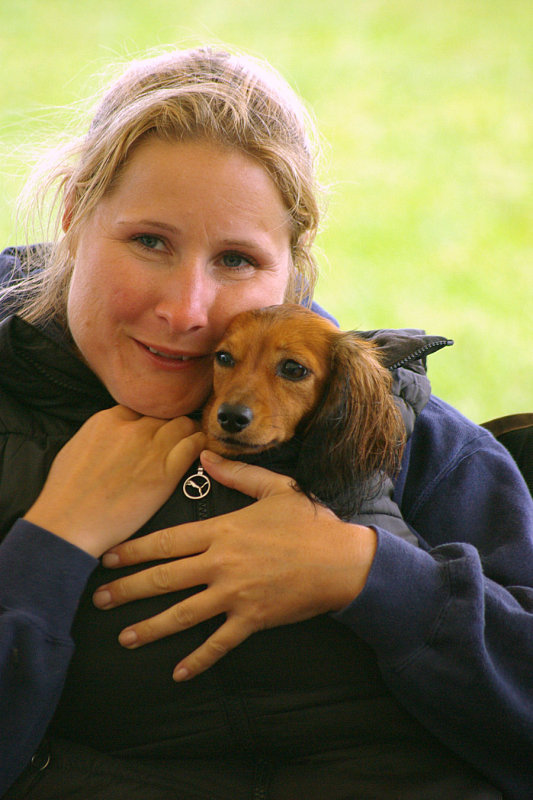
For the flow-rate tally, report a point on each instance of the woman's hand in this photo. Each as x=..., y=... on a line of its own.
x=280, y=560
x=110, y=478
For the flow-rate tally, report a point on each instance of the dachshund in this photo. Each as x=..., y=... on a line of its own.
x=283, y=373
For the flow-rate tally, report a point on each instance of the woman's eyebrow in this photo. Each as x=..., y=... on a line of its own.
x=153, y=223
x=246, y=244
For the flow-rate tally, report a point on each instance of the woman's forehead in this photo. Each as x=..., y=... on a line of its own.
x=203, y=180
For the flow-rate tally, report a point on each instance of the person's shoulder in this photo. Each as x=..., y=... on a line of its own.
x=445, y=427
x=17, y=422
x=442, y=439
x=19, y=261
x=9, y=265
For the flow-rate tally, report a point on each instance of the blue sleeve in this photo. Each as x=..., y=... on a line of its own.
x=41, y=580
x=451, y=622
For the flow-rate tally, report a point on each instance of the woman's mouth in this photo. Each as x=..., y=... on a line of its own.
x=164, y=357
x=171, y=356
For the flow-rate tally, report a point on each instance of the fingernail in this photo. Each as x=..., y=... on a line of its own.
x=181, y=674
x=110, y=560
x=128, y=638
x=102, y=598
x=213, y=458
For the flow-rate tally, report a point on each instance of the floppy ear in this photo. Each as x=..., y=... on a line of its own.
x=356, y=435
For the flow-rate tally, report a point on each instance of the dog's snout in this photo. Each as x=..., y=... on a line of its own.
x=233, y=418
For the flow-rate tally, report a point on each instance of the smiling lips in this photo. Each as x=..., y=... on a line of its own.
x=169, y=357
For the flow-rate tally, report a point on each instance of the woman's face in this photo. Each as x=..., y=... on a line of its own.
x=191, y=235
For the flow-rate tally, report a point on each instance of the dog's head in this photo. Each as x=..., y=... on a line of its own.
x=284, y=371
x=270, y=370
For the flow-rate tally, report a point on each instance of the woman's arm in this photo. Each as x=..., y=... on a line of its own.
x=103, y=485
x=452, y=623
x=41, y=579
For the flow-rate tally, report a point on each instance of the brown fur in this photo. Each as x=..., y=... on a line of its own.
x=342, y=410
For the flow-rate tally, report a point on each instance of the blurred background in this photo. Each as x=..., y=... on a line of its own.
x=426, y=108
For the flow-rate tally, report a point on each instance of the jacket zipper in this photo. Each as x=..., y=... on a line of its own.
x=233, y=710
x=202, y=509
x=425, y=350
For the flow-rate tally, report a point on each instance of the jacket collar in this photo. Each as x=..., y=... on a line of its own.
x=40, y=369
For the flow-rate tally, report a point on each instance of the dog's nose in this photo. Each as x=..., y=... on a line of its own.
x=234, y=418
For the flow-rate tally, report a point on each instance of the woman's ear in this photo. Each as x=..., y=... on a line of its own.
x=66, y=220
x=68, y=209
x=357, y=433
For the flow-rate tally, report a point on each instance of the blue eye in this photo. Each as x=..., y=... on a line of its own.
x=149, y=241
x=236, y=261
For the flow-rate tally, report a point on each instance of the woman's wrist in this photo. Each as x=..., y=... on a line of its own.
x=79, y=536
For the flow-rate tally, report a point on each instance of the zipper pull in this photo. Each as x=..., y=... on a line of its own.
x=197, y=486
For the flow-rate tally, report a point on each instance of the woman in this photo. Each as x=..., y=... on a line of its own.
x=310, y=656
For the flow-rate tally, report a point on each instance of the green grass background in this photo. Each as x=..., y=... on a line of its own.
x=427, y=109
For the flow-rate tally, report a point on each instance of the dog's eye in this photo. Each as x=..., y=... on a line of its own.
x=224, y=358
x=292, y=370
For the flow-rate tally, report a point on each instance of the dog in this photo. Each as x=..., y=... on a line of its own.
x=284, y=373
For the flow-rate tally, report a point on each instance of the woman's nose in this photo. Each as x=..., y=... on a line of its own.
x=185, y=299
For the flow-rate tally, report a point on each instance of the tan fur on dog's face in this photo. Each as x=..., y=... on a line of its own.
x=273, y=364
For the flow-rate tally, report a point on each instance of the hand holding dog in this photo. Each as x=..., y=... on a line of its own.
x=279, y=561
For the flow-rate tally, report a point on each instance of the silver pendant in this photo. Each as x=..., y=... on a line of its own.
x=197, y=486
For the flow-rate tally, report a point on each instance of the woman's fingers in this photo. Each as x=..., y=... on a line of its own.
x=231, y=634
x=162, y=579
x=178, y=542
x=254, y=481
x=190, y=612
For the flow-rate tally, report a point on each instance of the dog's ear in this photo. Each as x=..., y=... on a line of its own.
x=356, y=435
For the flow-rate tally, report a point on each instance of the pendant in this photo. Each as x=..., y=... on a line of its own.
x=197, y=486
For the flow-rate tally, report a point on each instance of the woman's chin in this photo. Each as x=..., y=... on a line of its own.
x=164, y=407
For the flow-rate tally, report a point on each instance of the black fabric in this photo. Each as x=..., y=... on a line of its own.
x=74, y=772
x=520, y=445
x=515, y=432
x=46, y=375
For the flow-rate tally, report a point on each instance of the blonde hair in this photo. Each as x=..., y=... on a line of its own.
x=229, y=99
